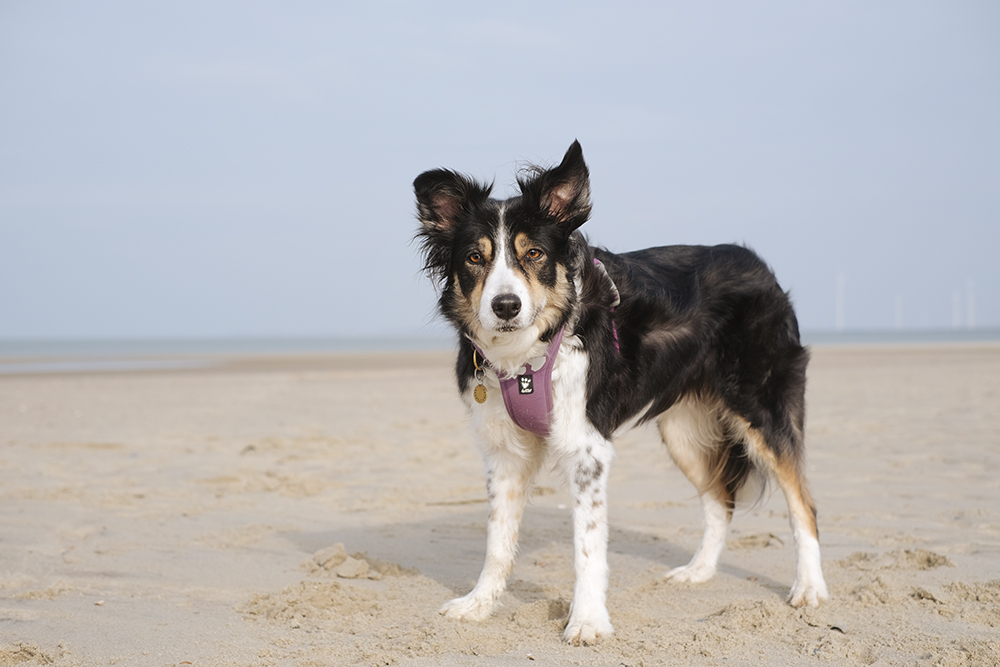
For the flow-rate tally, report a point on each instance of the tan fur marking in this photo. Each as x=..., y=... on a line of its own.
x=486, y=249
x=522, y=244
x=789, y=477
x=692, y=433
x=557, y=299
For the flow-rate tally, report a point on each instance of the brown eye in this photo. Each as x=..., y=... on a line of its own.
x=534, y=253
x=476, y=258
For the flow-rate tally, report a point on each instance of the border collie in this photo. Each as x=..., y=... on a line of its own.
x=561, y=344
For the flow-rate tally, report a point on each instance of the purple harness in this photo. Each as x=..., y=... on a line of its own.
x=528, y=395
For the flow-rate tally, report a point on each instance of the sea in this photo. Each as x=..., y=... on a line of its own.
x=47, y=356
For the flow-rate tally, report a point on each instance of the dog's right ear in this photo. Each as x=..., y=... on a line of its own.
x=444, y=197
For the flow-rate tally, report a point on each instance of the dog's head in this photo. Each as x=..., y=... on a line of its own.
x=504, y=266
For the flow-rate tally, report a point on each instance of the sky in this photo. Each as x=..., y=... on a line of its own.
x=244, y=169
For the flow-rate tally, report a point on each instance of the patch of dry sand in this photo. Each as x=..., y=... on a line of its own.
x=317, y=511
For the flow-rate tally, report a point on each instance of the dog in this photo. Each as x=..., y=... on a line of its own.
x=561, y=344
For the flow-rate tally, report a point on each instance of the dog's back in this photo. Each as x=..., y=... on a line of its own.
x=693, y=319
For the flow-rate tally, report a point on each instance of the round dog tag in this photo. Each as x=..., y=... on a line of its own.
x=479, y=393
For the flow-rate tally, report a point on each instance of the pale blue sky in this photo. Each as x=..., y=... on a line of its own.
x=244, y=168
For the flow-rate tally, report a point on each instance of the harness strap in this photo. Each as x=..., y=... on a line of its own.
x=617, y=300
x=528, y=394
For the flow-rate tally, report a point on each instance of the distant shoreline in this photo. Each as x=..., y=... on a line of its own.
x=160, y=347
x=902, y=336
x=100, y=347
x=42, y=357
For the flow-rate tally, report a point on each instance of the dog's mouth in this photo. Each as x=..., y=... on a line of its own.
x=517, y=324
x=495, y=326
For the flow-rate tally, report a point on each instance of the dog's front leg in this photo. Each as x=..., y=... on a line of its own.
x=509, y=477
x=589, y=620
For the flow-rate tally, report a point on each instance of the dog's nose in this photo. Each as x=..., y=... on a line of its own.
x=506, y=306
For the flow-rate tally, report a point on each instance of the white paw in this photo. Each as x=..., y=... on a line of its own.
x=581, y=632
x=469, y=607
x=691, y=573
x=808, y=594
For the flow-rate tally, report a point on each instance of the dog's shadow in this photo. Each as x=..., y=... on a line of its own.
x=450, y=547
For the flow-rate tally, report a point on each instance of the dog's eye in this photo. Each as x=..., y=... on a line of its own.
x=534, y=253
x=476, y=258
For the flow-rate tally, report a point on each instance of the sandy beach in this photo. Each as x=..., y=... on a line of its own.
x=317, y=510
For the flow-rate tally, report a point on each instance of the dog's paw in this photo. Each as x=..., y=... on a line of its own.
x=469, y=607
x=691, y=573
x=580, y=632
x=809, y=594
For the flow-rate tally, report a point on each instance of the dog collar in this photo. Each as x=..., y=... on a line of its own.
x=527, y=394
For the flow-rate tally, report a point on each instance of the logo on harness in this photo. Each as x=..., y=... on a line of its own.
x=525, y=384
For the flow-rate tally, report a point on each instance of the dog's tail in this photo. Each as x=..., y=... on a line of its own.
x=736, y=479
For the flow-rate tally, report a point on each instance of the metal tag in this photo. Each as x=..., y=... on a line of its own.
x=479, y=393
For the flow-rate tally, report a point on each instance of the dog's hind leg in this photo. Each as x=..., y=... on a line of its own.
x=694, y=435
x=809, y=587
x=509, y=477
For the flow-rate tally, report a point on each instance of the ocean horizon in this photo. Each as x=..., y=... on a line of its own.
x=67, y=355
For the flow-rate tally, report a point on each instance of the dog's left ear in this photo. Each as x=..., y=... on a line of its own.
x=563, y=192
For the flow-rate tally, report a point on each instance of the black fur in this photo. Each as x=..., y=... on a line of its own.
x=710, y=321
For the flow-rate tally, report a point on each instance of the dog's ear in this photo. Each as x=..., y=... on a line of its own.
x=562, y=193
x=443, y=197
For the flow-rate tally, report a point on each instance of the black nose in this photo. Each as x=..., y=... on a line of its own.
x=506, y=306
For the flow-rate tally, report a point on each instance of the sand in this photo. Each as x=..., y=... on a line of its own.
x=318, y=510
